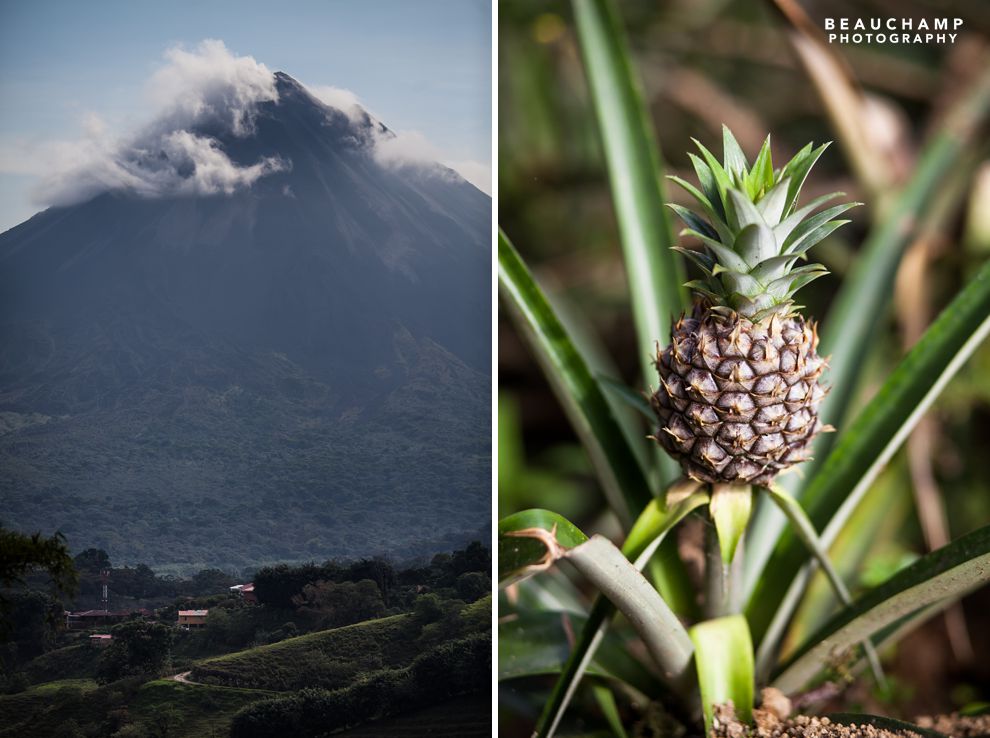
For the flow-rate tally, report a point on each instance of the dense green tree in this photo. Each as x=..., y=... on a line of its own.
x=334, y=604
x=21, y=554
x=138, y=648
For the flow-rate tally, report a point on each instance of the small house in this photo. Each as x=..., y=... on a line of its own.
x=192, y=618
x=246, y=591
x=100, y=640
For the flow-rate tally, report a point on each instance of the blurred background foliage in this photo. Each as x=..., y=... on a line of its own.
x=702, y=63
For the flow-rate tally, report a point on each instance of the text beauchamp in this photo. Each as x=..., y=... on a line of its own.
x=893, y=30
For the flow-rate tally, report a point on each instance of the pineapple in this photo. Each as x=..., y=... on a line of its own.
x=739, y=382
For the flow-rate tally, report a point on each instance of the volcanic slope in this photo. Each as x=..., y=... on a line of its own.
x=294, y=369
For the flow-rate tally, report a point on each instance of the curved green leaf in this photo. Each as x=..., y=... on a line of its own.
x=520, y=557
x=644, y=538
x=635, y=171
x=620, y=473
x=876, y=434
x=948, y=573
x=723, y=653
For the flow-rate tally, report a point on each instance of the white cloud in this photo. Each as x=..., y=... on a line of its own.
x=206, y=85
x=211, y=84
x=338, y=98
x=477, y=173
x=168, y=155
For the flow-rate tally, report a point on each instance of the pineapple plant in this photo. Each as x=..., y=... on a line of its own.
x=739, y=402
x=740, y=379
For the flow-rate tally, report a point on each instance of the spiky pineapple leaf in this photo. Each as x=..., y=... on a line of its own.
x=743, y=213
x=754, y=245
x=692, y=221
x=734, y=159
x=783, y=230
x=812, y=224
x=772, y=205
x=797, y=171
x=759, y=181
x=723, y=183
x=708, y=185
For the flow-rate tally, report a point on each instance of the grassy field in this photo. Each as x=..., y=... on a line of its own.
x=189, y=711
x=71, y=662
x=41, y=709
x=161, y=707
x=328, y=659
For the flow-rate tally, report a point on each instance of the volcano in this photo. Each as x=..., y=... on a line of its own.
x=292, y=367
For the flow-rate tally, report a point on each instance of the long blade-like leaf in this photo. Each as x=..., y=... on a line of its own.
x=724, y=661
x=873, y=438
x=805, y=532
x=859, y=306
x=577, y=390
x=655, y=273
x=947, y=573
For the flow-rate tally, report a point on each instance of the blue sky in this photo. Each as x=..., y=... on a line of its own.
x=421, y=66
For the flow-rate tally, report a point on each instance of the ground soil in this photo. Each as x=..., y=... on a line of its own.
x=773, y=720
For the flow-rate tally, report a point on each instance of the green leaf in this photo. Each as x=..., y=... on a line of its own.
x=742, y=213
x=722, y=181
x=805, y=531
x=797, y=170
x=708, y=185
x=877, y=433
x=635, y=171
x=808, y=226
x=621, y=475
x=730, y=508
x=948, y=573
x=647, y=534
x=724, y=661
x=732, y=154
x=536, y=643
x=863, y=296
x=631, y=397
x=783, y=230
x=771, y=206
x=760, y=181
x=860, y=304
x=520, y=557
x=692, y=221
x=606, y=701
x=755, y=244
x=631, y=593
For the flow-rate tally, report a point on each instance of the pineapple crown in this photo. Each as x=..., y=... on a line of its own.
x=752, y=229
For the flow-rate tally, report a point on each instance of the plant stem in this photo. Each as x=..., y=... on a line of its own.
x=723, y=590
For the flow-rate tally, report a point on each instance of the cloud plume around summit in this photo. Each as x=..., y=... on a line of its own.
x=205, y=86
x=165, y=156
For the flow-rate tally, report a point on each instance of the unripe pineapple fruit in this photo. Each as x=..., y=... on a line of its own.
x=739, y=381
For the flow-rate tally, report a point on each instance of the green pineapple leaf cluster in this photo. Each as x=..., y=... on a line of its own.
x=752, y=229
